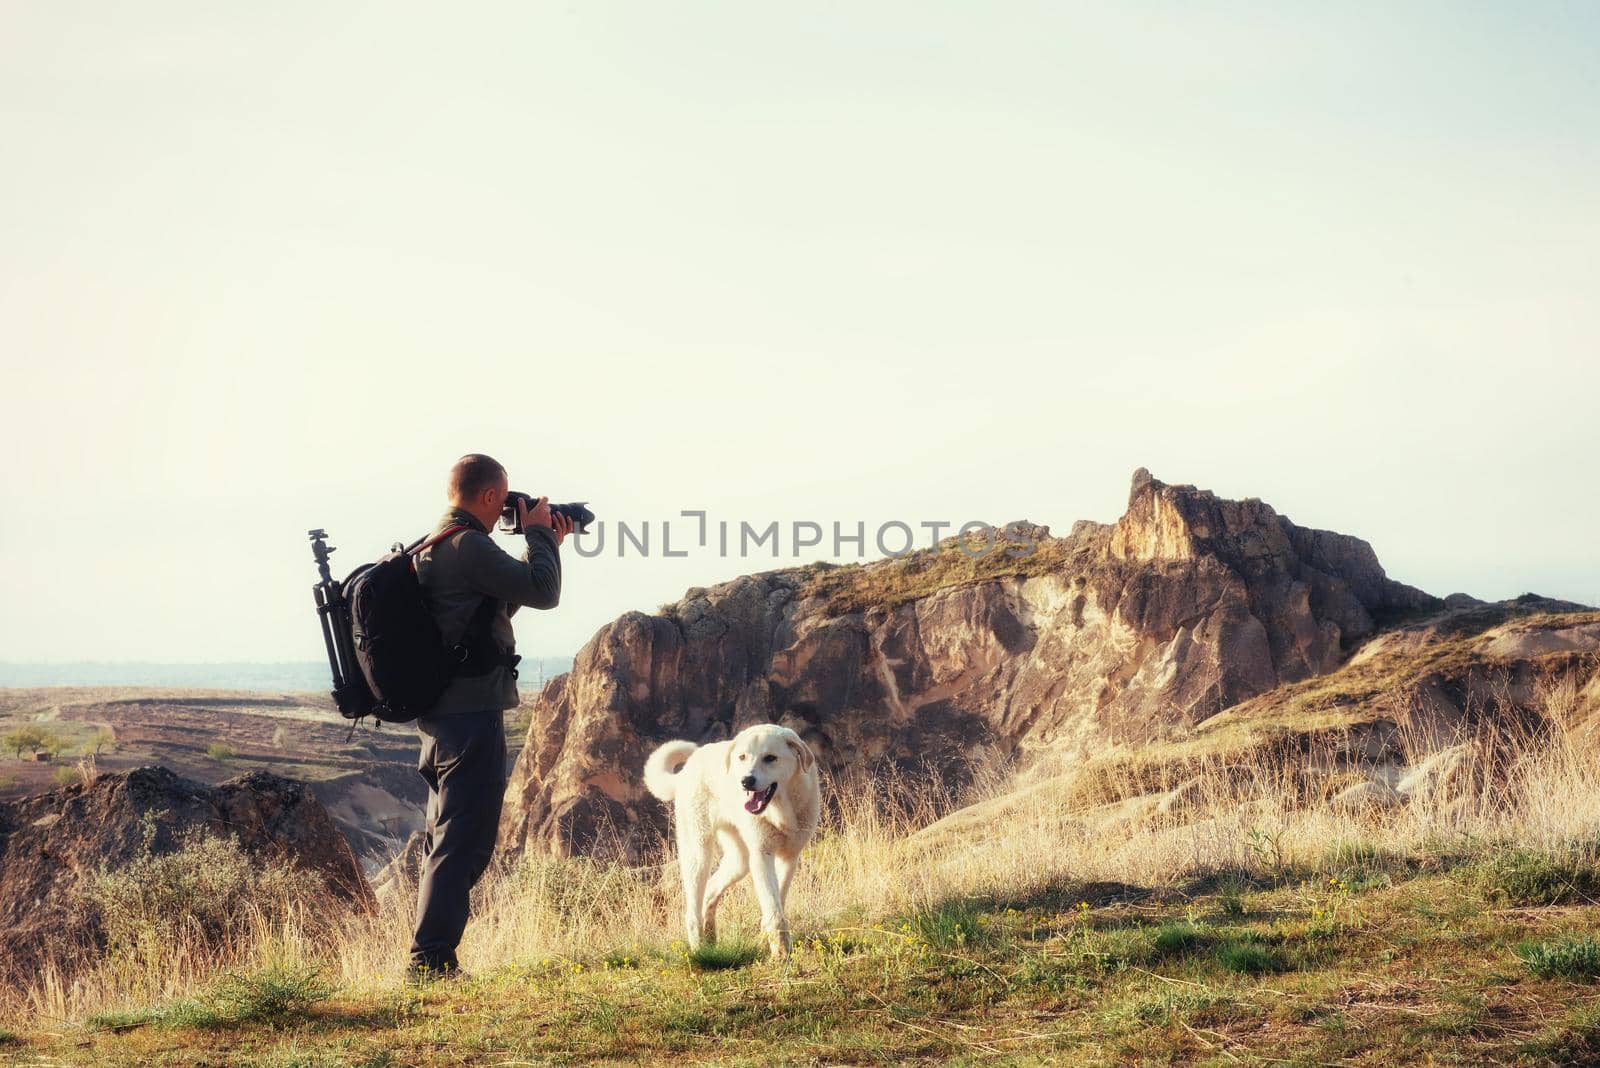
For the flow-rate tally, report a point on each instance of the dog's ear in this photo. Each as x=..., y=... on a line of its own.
x=802, y=751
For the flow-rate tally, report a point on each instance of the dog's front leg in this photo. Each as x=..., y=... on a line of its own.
x=773, y=921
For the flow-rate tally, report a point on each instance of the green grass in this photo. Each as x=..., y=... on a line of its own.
x=1533, y=877
x=1426, y=967
x=273, y=994
x=1566, y=958
x=952, y=925
x=1247, y=958
x=718, y=956
x=1176, y=939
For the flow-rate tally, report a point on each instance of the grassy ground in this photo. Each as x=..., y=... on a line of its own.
x=1374, y=961
x=1234, y=919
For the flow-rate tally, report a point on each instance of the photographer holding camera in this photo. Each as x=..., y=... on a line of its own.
x=472, y=588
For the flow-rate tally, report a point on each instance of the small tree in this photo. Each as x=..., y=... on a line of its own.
x=31, y=737
x=102, y=738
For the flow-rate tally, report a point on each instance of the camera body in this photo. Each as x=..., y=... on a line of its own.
x=577, y=512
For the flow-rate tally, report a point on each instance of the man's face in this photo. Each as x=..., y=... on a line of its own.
x=494, y=498
x=487, y=504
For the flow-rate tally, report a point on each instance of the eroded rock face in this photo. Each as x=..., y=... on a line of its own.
x=51, y=843
x=1135, y=630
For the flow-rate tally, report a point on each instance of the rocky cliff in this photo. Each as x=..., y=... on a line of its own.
x=1116, y=634
x=52, y=843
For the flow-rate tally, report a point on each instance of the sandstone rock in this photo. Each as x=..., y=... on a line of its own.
x=1116, y=635
x=1522, y=643
x=51, y=843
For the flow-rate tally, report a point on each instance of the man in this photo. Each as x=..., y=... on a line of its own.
x=473, y=587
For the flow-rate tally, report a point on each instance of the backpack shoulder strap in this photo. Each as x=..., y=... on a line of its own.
x=430, y=542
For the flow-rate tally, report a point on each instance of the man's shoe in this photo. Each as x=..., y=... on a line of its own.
x=427, y=974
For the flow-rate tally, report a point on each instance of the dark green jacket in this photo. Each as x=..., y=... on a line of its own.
x=458, y=572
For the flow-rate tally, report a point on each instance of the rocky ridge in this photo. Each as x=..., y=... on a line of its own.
x=1116, y=635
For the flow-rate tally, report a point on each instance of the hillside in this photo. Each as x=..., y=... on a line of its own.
x=368, y=780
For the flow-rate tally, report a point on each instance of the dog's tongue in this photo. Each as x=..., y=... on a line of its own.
x=758, y=801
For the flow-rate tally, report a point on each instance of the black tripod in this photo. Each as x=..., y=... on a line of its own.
x=350, y=690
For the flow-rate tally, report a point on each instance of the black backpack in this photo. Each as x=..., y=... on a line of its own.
x=404, y=661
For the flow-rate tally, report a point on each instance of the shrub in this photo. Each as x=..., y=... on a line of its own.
x=205, y=890
x=272, y=993
x=221, y=751
x=68, y=775
x=1566, y=958
x=1230, y=898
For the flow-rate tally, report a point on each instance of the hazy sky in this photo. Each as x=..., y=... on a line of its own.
x=265, y=267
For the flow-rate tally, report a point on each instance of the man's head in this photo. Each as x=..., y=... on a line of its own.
x=478, y=485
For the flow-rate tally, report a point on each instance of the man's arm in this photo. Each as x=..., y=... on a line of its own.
x=535, y=580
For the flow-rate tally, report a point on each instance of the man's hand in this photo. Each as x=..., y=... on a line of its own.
x=539, y=515
x=562, y=525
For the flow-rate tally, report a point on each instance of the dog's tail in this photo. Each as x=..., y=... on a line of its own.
x=661, y=770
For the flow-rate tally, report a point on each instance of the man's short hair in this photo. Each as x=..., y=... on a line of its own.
x=473, y=474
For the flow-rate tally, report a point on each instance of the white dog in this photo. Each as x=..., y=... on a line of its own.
x=757, y=794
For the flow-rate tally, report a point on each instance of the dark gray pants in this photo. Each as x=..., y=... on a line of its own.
x=464, y=762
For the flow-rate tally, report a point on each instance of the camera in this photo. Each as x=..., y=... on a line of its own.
x=578, y=512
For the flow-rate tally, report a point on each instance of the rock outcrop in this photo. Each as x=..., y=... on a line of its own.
x=1114, y=635
x=52, y=843
x=1412, y=717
